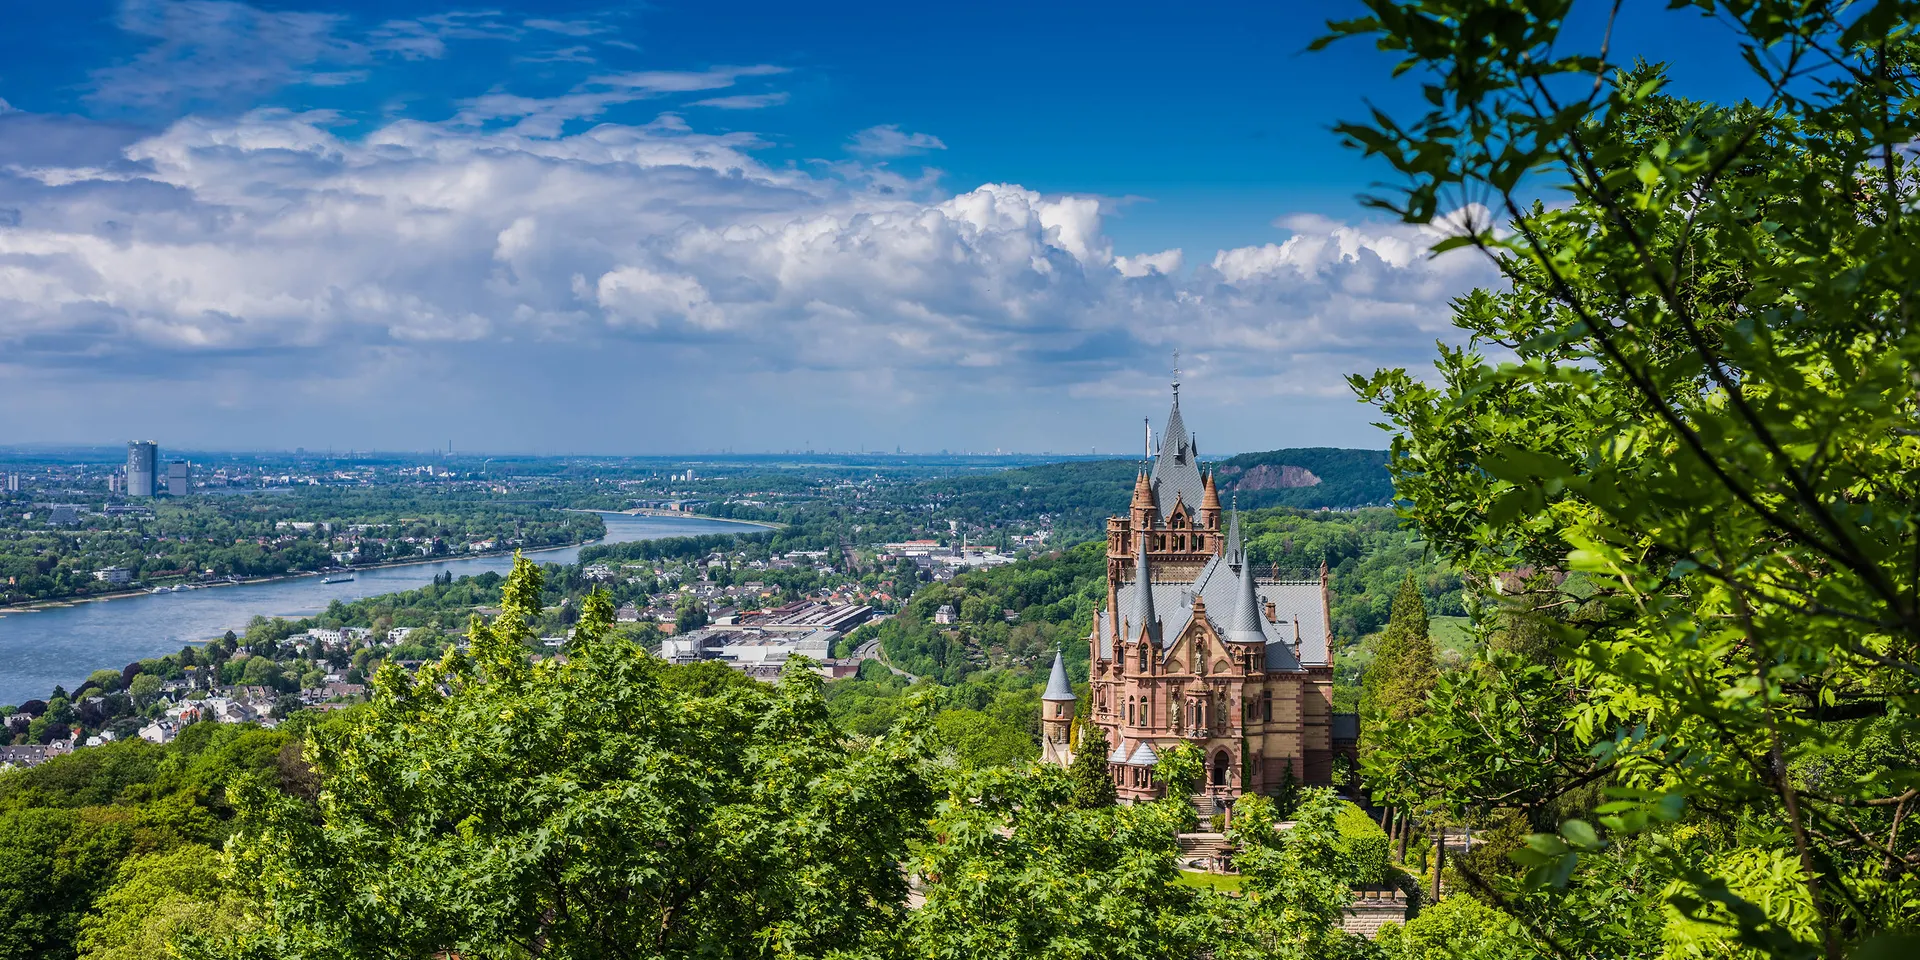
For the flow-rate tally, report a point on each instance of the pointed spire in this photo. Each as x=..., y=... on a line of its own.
x=1057, y=686
x=1235, y=554
x=1175, y=469
x=1243, y=624
x=1210, y=500
x=1143, y=492
x=1144, y=619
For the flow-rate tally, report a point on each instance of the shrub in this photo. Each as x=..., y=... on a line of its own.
x=1456, y=927
x=1363, y=845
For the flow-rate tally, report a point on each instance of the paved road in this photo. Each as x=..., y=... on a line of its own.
x=871, y=651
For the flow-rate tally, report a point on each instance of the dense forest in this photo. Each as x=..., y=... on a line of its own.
x=1079, y=495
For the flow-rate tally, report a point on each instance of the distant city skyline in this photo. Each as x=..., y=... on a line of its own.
x=573, y=227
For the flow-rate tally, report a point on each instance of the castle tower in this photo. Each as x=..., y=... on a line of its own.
x=1056, y=716
x=1193, y=647
x=1210, y=510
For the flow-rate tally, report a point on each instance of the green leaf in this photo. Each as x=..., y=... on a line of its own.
x=1518, y=465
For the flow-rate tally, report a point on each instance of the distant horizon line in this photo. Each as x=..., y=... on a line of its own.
x=45, y=448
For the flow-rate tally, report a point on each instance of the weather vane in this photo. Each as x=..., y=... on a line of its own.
x=1176, y=371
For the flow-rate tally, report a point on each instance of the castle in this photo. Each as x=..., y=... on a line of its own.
x=1194, y=647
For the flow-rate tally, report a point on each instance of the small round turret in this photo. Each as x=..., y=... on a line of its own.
x=1056, y=715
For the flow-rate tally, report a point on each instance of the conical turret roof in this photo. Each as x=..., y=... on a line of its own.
x=1057, y=686
x=1143, y=615
x=1142, y=491
x=1243, y=622
x=1235, y=552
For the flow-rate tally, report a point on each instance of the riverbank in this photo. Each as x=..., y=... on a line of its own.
x=681, y=515
x=68, y=602
x=63, y=642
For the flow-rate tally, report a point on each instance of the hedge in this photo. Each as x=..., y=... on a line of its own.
x=1364, y=845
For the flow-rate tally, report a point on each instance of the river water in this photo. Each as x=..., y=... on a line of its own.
x=62, y=645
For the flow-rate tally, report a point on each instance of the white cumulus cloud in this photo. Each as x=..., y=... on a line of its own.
x=272, y=250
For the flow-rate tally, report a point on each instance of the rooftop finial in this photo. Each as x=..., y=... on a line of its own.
x=1235, y=552
x=1176, y=374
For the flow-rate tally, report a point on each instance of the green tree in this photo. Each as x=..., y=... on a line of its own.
x=980, y=739
x=1459, y=927
x=1092, y=779
x=261, y=671
x=1016, y=869
x=1298, y=881
x=1403, y=671
x=689, y=614
x=106, y=681
x=158, y=899
x=499, y=807
x=52, y=863
x=143, y=689
x=56, y=723
x=1710, y=418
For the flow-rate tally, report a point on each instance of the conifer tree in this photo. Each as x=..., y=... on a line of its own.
x=1404, y=667
x=1092, y=786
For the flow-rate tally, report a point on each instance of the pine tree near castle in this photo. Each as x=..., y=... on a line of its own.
x=1404, y=668
x=1092, y=785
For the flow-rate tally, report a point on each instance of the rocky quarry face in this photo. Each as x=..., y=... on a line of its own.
x=1269, y=477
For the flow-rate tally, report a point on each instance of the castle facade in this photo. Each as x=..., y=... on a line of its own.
x=1195, y=647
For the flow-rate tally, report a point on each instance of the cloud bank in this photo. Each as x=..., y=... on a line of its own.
x=225, y=255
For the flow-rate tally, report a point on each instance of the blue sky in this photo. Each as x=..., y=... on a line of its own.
x=686, y=226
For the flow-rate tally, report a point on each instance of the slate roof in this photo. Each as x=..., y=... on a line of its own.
x=1143, y=756
x=1242, y=622
x=1142, y=610
x=1238, y=603
x=1119, y=754
x=1057, y=686
x=1176, y=467
x=1217, y=583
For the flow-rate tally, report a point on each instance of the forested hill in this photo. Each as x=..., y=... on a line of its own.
x=1081, y=494
x=1308, y=477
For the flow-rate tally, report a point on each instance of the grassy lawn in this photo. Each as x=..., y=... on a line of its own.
x=1217, y=882
x=1450, y=640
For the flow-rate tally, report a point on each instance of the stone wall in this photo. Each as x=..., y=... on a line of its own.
x=1374, y=908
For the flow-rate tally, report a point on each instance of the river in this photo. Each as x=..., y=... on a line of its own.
x=62, y=645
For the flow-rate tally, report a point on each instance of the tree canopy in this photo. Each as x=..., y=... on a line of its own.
x=1702, y=419
x=580, y=808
